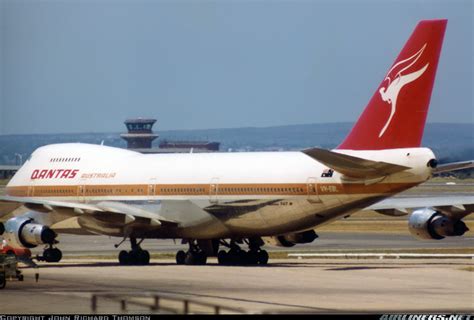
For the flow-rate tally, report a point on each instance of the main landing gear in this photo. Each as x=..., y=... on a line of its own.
x=194, y=256
x=51, y=254
x=234, y=256
x=137, y=256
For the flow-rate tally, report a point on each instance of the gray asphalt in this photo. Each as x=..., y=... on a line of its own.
x=101, y=245
x=308, y=286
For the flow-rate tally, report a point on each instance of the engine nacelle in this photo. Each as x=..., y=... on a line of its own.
x=23, y=232
x=290, y=240
x=428, y=224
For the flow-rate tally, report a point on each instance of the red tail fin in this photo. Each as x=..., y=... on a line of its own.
x=395, y=116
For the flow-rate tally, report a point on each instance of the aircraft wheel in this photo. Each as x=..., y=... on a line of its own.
x=190, y=258
x=143, y=257
x=3, y=280
x=236, y=257
x=57, y=255
x=202, y=258
x=232, y=257
x=124, y=257
x=252, y=257
x=52, y=255
x=180, y=257
x=223, y=258
x=48, y=255
x=134, y=257
x=243, y=258
x=262, y=257
x=195, y=258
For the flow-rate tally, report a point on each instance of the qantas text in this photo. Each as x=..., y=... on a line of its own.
x=54, y=174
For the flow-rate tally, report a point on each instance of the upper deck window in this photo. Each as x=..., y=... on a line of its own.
x=64, y=159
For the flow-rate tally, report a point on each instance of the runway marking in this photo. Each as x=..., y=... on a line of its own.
x=382, y=255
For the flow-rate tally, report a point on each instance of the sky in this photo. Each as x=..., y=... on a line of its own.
x=85, y=66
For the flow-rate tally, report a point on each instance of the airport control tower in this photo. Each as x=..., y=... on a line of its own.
x=140, y=135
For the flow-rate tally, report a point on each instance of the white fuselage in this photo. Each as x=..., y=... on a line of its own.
x=214, y=194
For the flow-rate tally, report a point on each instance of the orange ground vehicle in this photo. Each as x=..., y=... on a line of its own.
x=19, y=252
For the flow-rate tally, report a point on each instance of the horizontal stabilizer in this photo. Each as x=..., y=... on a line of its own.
x=453, y=166
x=451, y=205
x=353, y=167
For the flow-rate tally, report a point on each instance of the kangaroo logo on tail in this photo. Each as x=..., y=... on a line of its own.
x=394, y=86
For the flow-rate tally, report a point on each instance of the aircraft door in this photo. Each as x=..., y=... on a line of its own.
x=214, y=190
x=312, y=188
x=31, y=191
x=151, y=190
x=152, y=187
x=81, y=192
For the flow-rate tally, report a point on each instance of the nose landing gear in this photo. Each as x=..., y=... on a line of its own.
x=137, y=256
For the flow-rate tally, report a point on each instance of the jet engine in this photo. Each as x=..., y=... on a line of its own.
x=23, y=232
x=428, y=224
x=289, y=240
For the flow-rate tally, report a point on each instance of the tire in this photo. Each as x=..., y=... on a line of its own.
x=48, y=255
x=52, y=255
x=180, y=257
x=201, y=258
x=190, y=259
x=57, y=255
x=143, y=257
x=252, y=257
x=242, y=258
x=133, y=258
x=236, y=257
x=232, y=258
x=222, y=258
x=195, y=258
x=3, y=280
x=262, y=257
x=124, y=258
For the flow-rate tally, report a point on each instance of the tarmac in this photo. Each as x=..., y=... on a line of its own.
x=295, y=286
x=285, y=285
x=73, y=245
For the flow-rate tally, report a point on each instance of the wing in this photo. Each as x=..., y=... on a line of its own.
x=453, y=206
x=453, y=166
x=116, y=212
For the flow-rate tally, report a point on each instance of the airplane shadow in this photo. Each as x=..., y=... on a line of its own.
x=93, y=265
x=354, y=268
x=331, y=266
